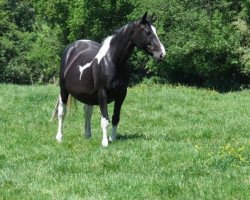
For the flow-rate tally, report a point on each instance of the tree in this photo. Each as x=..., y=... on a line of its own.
x=14, y=21
x=204, y=41
x=207, y=42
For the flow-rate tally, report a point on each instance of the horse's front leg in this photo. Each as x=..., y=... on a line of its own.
x=105, y=118
x=116, y=113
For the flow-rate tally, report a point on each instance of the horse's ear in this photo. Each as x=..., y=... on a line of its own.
x=144, y=18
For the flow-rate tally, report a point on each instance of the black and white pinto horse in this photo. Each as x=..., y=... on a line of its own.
x=97, y=74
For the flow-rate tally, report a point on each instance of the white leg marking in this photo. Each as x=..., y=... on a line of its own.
x=61, y=114
x=113, y=134
x=88, y=110
x=162, y=47
x=104, y=125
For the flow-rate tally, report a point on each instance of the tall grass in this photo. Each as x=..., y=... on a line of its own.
x=174, y=143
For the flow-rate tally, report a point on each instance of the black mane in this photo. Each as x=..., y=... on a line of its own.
x=119, y=33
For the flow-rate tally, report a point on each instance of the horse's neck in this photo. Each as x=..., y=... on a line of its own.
x=125, y=52
x=122, y=46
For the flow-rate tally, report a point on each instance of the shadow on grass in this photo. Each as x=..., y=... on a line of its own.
x=136, y=136
x=232, y=82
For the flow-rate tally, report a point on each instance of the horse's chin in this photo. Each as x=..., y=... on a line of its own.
x=158, y=59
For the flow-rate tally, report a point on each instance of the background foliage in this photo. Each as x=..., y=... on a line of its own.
x=207, y=42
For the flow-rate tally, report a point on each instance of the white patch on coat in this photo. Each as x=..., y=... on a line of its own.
x=104, y=125
x=104, y=49
x=81, y=68
x=86, y=41
x=101, y=53
x=162, y=47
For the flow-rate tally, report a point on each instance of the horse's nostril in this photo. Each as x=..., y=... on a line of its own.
x=161, y=56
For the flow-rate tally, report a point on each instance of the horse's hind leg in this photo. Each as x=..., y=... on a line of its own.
x=63, y=98
x=88, y=110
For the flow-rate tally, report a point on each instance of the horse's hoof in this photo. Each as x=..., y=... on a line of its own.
x=88, y=137
x=105, y=143
x=112, y=139
x=59, y=139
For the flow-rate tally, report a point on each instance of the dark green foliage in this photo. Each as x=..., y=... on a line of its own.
x=207, y=42
x=95, y=19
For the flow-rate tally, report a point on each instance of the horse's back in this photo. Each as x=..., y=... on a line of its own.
x=79, y=52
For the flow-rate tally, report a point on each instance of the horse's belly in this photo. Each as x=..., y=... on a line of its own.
x=90, y=99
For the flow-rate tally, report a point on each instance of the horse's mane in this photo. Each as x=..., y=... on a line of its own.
x=118, y=33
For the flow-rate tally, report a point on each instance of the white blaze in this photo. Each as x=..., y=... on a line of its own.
x=162, y=47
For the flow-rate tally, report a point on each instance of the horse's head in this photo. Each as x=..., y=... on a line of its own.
x=145, y=37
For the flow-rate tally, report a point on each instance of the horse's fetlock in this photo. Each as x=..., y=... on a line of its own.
x=104, y=122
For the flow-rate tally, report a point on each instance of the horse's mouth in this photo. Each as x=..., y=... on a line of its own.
x=150, y=51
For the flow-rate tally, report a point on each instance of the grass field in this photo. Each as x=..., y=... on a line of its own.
x=174, y=143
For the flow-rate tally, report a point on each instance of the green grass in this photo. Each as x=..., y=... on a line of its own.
x=174, y=143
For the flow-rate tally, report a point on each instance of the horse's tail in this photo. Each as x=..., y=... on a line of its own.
x=70, y=104
x=55, y=111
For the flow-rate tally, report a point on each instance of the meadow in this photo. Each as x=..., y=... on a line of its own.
x=174, y=142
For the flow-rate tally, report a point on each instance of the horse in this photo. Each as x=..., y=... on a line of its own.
x=97, y=74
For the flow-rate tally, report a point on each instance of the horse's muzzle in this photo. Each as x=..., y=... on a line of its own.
x=159, y=56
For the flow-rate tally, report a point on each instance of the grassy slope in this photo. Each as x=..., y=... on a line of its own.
x=174, y=143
